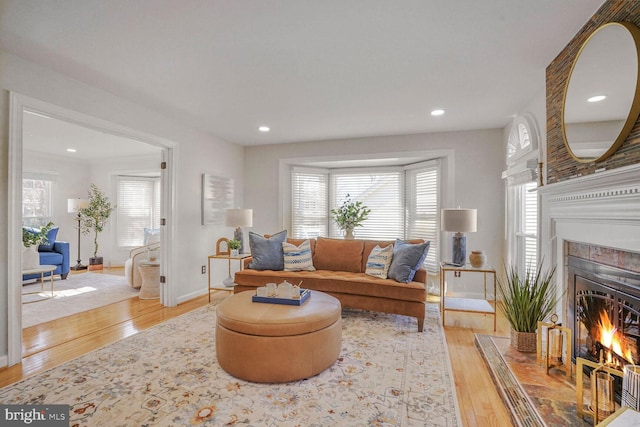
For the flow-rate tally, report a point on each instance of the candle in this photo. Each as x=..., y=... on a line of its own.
x=556, y=344
x=602, y=395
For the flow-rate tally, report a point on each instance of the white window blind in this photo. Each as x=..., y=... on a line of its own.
x=37, y=199
x=527, y=226
x=138, y=207
x=309, y=203
x=423, y=207
x=381, y=191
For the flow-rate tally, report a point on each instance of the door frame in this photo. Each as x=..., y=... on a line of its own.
x=18, y=105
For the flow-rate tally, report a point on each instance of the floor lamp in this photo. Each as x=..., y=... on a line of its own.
x=74, y=206
x=459, y=221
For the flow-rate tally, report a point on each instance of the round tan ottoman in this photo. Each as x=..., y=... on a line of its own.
x=274, y=343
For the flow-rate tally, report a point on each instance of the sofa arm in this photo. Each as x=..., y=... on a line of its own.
x=63, y=248
x=421, y=276
x=246, y=262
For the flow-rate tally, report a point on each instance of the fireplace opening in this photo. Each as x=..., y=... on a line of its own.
x=604, y=314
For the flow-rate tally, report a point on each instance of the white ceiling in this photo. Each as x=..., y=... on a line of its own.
x=311, y=70
x=52, y=136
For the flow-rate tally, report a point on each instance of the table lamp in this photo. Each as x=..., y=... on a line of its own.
x=239, y=218
x=459, y=221
x=74, y=206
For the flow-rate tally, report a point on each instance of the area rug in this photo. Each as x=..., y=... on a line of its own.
x=532, y=397
x=79, y=292
x=387, y=374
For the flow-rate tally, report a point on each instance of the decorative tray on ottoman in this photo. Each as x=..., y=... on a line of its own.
x=304, y=295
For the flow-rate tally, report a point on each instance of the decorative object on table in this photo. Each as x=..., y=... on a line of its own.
x=31, y=239
x=477, y=259
x=558, y=345
x=350, y=215
x=234, y=246
x=222, y=246
x=526, y=301
x=217, y=196
x=602, y=389
x=459, y=221
x=239, y=218
x=94, y=217
x=631, y=387
x=300, y=299
x=74, y=206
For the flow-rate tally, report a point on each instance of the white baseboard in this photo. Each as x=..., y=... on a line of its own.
x=191, y=295
x=4, y=361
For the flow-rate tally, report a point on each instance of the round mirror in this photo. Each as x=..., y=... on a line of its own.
x=602, y=96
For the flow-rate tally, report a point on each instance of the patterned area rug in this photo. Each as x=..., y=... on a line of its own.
x=388, y=374
x=79, y=292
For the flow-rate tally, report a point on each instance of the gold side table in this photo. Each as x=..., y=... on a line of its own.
x=219, y=287
x=485, y=305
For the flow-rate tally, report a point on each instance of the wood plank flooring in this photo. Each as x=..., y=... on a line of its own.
x=50, y=344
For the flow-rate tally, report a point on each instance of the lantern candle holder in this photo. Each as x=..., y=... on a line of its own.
x=558, y=346
x=631, y=387
x=602, y=391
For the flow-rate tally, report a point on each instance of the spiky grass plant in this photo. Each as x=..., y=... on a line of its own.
x=529, y=299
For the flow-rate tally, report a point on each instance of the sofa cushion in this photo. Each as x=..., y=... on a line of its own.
x=51, y=239
x=151, y=235
x=407, y=259
x=337, y=282
x=50, y=258
x=338, y=255
x=379, y=261
x=297, y=257
x=267, y=253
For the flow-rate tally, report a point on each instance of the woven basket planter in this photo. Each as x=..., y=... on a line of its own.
x=524, y=341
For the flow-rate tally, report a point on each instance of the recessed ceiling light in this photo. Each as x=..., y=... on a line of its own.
x=596, y=98
x=71, y=150
x=264, y=129
x=437, y=112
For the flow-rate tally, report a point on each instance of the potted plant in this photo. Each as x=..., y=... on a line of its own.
x=525, y=301
x=31, y=240
x=350, y=215
x=94, y=218
x=234, y=246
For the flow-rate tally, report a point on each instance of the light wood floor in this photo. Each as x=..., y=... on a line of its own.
x=50, y=344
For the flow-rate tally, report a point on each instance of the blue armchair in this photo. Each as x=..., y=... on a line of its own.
x=53, y=254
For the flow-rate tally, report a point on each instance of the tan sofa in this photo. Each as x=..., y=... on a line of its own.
x=340, y=266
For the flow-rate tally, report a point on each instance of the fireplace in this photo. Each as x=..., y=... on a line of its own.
x=603, y=312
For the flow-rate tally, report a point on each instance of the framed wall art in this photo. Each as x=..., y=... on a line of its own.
x=217, y=196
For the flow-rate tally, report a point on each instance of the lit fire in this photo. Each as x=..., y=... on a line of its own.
x=612, y=339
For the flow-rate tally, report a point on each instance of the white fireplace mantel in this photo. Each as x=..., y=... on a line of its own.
x=600, y=209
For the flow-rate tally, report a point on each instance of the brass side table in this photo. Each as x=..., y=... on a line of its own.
x=485, y=305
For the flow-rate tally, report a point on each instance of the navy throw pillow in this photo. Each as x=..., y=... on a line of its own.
x=267, y=254
x=407, y=259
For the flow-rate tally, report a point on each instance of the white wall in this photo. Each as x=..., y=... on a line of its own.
x=477, y=165
x=197, y=153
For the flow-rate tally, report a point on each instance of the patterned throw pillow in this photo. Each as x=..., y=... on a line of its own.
x=297, y=258
x=379, y=261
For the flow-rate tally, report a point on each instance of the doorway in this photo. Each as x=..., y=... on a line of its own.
x=21, y=106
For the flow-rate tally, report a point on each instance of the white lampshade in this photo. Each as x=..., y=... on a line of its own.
x=459, y=220
x=239, y=217
x=74, y=205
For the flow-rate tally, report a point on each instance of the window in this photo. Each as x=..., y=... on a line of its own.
x=37, y=199
x=138, y=207
x=309, y=203
x=381, y=191
x=526, y=226
x=404, y=203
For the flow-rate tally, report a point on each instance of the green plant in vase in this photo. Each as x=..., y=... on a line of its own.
x=350, y=215
x=525, y=301
x=234, y=245
x=94, y=218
